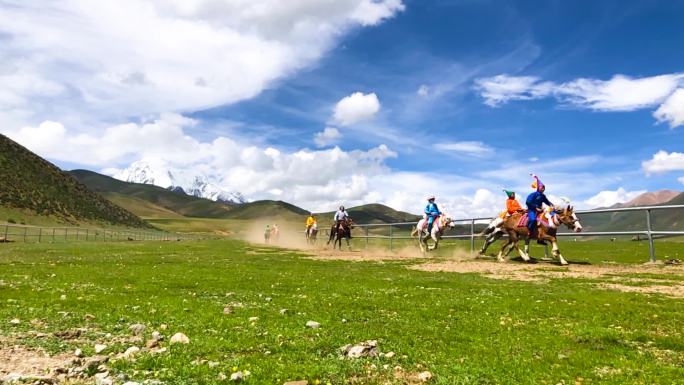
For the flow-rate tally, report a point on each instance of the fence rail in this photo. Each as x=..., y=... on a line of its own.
x=38, y=234
x=648, y=232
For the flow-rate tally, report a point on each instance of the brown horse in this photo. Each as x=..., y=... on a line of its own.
x=343, y=231
x=546, y=231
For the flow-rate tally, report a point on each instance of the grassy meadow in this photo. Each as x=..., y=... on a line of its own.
x=462, y=328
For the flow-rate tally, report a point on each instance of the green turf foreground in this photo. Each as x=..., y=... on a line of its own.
x=463, y=328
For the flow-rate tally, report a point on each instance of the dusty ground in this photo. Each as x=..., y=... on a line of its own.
x=32, y=363
x=667, y=280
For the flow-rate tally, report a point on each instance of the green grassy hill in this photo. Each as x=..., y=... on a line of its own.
x=149, y=200
x=30, y=184
x=374, y=213
x=267, y=208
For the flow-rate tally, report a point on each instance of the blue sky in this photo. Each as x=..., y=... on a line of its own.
x=456, y=98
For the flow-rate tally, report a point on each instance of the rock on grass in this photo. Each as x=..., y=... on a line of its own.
x=313, y=324
x=179, y=338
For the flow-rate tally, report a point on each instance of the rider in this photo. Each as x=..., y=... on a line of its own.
x=340, y=217
x=534, y=206
x=512, y=205
x=431, y=211
x=310, y=222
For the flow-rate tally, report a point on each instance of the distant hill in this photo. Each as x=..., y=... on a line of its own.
x=666, y=219
x=650, y=199
x=29, y=182
x=375, y=213
x=150, y=201
x=267, y=209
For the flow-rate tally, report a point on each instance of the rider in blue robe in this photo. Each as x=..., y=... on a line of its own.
x=534, y=204
x=432, y=212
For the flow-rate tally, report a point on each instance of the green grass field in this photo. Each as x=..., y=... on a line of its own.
x=463, y=328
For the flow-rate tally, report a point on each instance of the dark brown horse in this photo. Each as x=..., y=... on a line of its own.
x=343, y=231
x=547, y=227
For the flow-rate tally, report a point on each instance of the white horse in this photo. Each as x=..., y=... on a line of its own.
x=438, y=227
x=492, y=233
x=311, y=234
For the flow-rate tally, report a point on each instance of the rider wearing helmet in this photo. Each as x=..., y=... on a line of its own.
x=534, y=206
x=431, y=211
x=340, y=217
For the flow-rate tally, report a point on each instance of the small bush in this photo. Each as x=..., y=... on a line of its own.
x=11, y=220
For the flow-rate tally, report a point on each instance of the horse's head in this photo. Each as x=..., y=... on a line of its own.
x=350, y=223
x=445, y=220
x=568, y=217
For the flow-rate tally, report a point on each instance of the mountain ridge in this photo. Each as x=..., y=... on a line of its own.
x=29, y=182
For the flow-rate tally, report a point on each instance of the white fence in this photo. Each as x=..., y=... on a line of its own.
x=648, y=232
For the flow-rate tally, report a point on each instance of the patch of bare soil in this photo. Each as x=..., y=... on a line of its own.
x=676, y=291
x=30, y=363
x=364, y=255
x=541, y=272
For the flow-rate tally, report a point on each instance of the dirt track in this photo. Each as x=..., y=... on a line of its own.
x=652, y=279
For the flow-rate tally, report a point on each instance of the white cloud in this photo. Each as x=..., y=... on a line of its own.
x=608, y=198
x=423, y=91
x=672, y=110
x=477, y=149
x=501, y=89
x=620, y=93
x=108, y=60
x=355, y=108
x=663, y=162
x=680, y=179
x=327, y=137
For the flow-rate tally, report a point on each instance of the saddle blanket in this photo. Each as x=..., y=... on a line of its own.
x=522, y=222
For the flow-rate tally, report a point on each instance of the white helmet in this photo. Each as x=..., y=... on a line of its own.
x=430, y=197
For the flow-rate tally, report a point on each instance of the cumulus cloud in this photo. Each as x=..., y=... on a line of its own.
x=672, y=111
x=663, y=162
x=620, y=93
x=608, y=198
x=355, y=108
x=327, y=137
x=423, y=91
x=681, y=179
x=137, y=57
x=477, y=149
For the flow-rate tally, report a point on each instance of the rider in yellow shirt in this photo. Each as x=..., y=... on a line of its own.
x=310, y=222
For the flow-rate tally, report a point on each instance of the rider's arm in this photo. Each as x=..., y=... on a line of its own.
x=546, y=200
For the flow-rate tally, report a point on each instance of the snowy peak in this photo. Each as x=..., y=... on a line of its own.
x=178, y=181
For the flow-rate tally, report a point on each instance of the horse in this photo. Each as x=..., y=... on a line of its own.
x=547, y=226
x=438, y=228
x=492, y=233
x=343, y=231
x=311, y=234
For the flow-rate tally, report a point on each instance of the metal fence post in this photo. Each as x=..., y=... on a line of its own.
x=40, y=233
x=66, y=234
x=651, y=248
x=87, y=234
x=6, y=228
x=25, y=231
x=53, y=235
x=472, y=236
x=366, y=237
x=390, y=236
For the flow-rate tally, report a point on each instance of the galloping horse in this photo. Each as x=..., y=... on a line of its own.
x=438, y=228
x=344, y=231
x=492, y=233
x=547, y=226
x=311, y=234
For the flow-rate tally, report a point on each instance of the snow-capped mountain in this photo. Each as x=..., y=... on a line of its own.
x=178, y=181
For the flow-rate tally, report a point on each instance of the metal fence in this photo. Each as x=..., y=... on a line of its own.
x=36, y=234
x=397, y=231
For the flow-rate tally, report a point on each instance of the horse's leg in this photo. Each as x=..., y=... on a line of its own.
x=421, y=242
x=516, y=243
x=435, y=238
x=556, y=252
x=348, y=244
x=509, y=241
